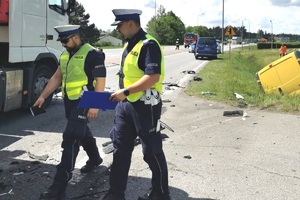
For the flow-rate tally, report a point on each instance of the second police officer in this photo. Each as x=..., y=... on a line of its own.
x=81, y=67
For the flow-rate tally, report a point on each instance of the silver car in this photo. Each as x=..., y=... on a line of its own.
x=218, y=47
x=192, y=47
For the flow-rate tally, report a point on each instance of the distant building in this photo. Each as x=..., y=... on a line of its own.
x=262, y=40
x=111, y=40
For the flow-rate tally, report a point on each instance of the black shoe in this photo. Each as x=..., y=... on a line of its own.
x=155, y=196
x=111, y=196
x=54, y=193
x=89, y=167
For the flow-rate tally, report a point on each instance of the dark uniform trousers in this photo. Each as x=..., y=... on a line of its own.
x=132, y=120
x=76, y=133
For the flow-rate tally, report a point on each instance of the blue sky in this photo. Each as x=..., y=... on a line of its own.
x=277, y=15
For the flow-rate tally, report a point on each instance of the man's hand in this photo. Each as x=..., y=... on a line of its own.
x=118, y=95
x=93, y=113
x=39, y=102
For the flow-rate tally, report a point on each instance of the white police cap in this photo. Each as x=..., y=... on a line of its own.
x=125, y=14
x=66, y=30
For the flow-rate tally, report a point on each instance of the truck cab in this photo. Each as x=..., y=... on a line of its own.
x=28, y=48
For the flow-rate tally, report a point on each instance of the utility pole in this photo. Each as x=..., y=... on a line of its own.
x=242, y=32
x=271, y=34
x=223, y=28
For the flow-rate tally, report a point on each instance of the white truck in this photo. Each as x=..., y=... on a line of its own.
x=237, y=40
x=29, y=52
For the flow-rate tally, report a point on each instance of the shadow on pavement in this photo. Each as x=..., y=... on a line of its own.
x=25, y=180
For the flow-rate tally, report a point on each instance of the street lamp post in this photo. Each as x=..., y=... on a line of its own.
x=271, y=34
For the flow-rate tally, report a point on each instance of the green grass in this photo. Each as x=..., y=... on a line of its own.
x=234, y=72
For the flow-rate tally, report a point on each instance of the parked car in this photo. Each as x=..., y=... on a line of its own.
x=192, y=47
x=206, y=47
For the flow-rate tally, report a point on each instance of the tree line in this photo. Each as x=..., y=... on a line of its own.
x=166, y=27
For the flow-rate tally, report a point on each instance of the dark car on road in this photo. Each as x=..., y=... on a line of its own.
x=206, y=47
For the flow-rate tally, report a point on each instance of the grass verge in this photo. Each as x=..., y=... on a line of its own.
x=234, y=72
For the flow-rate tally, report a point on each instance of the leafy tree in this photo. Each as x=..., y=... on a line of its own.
x=215, y=32
x=200, y=30
x=260, y=33
x=166, y=27
x=88, y=32
x=116, y=34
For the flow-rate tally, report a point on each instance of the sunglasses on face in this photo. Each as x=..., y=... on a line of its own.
x=119, y=25
x=66, y=40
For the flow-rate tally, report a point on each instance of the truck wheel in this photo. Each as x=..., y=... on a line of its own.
x=41, y=77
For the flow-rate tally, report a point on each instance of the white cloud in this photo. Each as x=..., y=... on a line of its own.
x=255, y=13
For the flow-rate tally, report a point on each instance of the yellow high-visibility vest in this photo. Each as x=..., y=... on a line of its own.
x=133, y=73
x=74, y=77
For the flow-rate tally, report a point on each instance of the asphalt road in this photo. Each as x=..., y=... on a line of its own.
x=210, y=156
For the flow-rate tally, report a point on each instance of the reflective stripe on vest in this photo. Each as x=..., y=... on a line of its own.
x=133, y=73
x=74, y=77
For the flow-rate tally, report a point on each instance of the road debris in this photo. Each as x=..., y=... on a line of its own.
x=174, y=85
x=35, y=157
x=197, y=78
x=18, y=173
x=9, y=192
x=208, y=92
x=188, y=157
x=170, y=86
x=242, y=105
x=163, y=126
x=188, y=72
x=238, y=96
x=166, y=100
x=108, y=146
x=233, y=113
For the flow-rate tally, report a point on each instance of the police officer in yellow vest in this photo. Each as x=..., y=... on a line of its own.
x=139, y=108
x=81, y=67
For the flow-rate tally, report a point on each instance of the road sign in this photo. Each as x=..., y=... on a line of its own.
x=229, y=31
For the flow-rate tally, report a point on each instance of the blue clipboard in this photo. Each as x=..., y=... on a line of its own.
x=90, y=99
